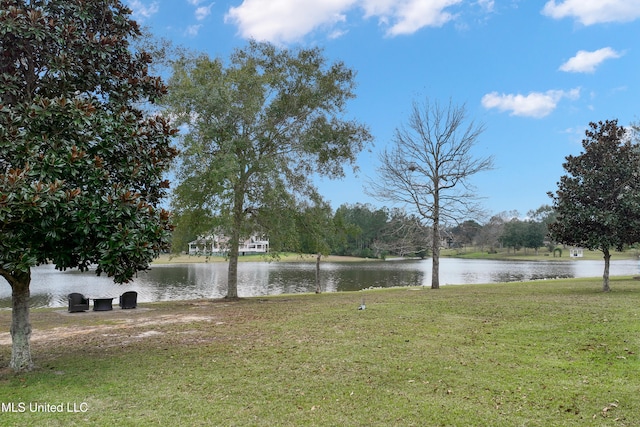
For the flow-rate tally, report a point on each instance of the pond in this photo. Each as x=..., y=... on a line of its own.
x=49, y=288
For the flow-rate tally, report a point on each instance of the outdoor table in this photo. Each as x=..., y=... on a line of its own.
x=102, y=304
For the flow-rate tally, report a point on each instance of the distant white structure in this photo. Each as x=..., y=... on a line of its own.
x=218, y=244
x=576, y=253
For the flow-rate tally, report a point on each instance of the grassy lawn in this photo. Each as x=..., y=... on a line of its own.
x=530, y=255
x=548, y=353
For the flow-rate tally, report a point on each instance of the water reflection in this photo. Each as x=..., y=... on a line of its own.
x=191, y=281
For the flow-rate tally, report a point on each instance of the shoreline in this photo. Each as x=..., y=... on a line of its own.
x=288, y=257
x=311, y=258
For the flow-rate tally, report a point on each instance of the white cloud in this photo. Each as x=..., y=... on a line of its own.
x=289, y=20
x=586, y=62
x=203, y=11
x=535, y=104
x=590, y=12
x=410, y=16
x=487, y=5
x=192, y=30
x=336, y=34
x=141, y=10
x=618, y=89
x=285, y=20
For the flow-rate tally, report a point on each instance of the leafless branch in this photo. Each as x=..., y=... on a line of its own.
x=428, y=168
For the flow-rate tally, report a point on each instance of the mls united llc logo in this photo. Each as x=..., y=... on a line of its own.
x=22, y=407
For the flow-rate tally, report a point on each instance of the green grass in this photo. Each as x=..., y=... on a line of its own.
x=545, y=353
x=530, y=255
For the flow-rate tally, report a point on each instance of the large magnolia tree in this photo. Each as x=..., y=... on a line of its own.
x=598, y=202
x=259, y=128
x=81, y=165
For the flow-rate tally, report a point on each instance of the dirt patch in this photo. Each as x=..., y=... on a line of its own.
x=117, y=327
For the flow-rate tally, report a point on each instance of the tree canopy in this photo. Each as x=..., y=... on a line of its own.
x=81, y=164
x=523, y=234
x=598, y=200
x=258, y=128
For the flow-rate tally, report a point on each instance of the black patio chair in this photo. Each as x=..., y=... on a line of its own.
x=77, y=302
x=129, y=299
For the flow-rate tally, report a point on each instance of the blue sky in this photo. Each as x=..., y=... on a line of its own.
x=535, y=73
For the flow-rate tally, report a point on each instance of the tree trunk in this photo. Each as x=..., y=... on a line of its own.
x=20, y=323
x=605, y=276
x=234, y=242
x=232, y=275
x=318, y=289
x=435, y=244
x=435, y=259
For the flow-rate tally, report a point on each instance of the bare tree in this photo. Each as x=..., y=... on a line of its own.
x=427, y=170
x=403, y=235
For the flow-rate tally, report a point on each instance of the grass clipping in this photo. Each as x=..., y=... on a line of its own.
x=537, y=354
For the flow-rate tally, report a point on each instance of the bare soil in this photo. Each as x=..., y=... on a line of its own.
x=56, y=328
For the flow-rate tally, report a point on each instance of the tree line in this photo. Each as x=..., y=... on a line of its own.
x=363, y=230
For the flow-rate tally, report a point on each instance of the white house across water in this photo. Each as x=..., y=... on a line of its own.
x=576, y=252
x=218, y=244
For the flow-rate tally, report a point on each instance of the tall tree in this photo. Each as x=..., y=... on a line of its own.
x=81, y=166
x=491, y=232
x=403, y=235
x=429, y=167
x=316, y=230
x=346, y=231
x=259, y=127
x=364, y=225
x=598, y=201
x=465, y=233
x=545, y=214
x=514, y=234
x=523, y=234
x=535, y=232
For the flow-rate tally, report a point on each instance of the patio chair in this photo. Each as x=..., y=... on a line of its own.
x=129, y=299
x=77, y=302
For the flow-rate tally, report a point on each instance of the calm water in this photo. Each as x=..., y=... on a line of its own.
x=49, y=287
